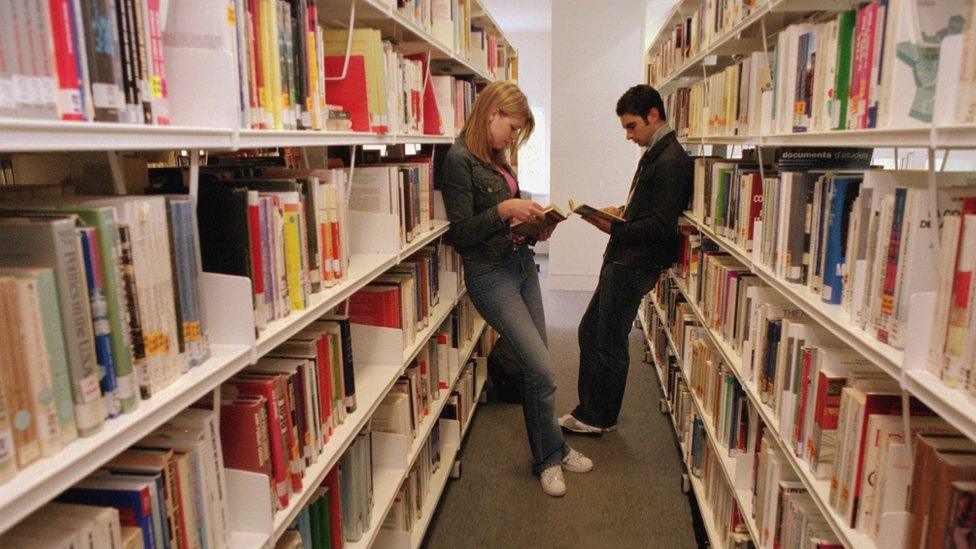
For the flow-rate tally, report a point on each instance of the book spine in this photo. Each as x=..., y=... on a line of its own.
x=105, y=79
x=69, y=82
x=157, y=65
x=94, y=409
x=349, y=371
x=130, y=302
x=140, y=56
x=35, y=360
x=56, y=355
x=293, y=256
x=25, y=442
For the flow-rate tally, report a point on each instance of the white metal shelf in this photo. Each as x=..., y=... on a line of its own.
x=54, y=135
x=742, y=496
x=819, y=490
x=37, y=484
x=933, y=137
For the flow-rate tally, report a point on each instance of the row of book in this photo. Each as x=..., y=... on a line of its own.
x=859, y=239
x=168, y=490
x=101, y=309
x=91, y=60
x=403, y=188
x=285, y=230
x=274, y=418
x=278, y=414
x=697, y=452
x=98, y=60
x=842, y=74
x=449, y=22
x=403, y=298
x=839, y=416
x=695, y=32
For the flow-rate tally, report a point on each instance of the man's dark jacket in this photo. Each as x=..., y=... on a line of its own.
x=662, y=188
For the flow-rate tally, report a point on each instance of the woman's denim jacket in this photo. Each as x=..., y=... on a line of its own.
x=472, y=191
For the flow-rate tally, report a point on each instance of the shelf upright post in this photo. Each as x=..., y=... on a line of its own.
x=194, y=182
x=118, y=174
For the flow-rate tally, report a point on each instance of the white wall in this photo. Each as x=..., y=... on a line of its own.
x=597, y=53
x=527, y=24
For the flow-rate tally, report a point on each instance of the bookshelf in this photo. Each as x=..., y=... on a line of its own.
x=728, y=465
x=234, y=345
x=707, y=516
x=819, y=489
x=748, y=32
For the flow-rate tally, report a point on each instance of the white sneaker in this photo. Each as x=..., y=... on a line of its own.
x=570, y=423
x=576, y=462
x=553, y=482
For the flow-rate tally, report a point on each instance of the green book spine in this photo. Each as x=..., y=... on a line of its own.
x=316, y=519
x=103, y=219
x=845, y=47
x=56, y=351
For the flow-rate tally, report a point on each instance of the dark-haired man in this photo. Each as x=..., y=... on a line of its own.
x=645, y=244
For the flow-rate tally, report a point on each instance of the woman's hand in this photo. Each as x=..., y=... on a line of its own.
x=526, y=211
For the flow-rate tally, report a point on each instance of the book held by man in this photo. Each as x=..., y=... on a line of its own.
x=585, y=210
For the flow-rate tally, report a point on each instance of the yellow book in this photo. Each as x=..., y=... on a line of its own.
x=293, y=256
x=312, y=98
x=270, y=57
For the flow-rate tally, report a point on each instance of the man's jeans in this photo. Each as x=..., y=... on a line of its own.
x=604, y=347
x=509, y=299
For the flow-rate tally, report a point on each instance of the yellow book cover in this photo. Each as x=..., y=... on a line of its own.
x=270, y=60
x=293, y=256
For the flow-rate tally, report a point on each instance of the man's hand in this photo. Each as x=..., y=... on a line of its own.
x=613, y=210
x=601, y=224
x=544, y=234
x=526, y=211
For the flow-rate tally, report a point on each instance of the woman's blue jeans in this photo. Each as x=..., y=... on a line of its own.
x=510, y=300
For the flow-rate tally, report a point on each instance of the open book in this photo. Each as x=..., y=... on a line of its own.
x=553, y=215
x=585, y=210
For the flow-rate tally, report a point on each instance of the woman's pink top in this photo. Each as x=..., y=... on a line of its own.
x=512, y=183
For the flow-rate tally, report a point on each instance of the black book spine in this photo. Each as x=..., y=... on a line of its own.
x=348, y=371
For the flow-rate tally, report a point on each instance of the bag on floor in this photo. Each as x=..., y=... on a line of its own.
x=505, y=373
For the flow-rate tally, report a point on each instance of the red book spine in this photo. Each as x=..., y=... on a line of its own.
x=336, y=249
x=158, y=81
x=254, y=11
x=335, y=507
x=325, y=386
x=804, y=390
x=871, y=27
x=257, y=263
x=66, y=60
x=755, y=209
x=276, y=431
x=291, y=438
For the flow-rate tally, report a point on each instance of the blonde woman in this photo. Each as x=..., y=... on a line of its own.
x=481, y=194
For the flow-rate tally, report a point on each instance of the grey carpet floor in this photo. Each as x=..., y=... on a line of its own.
x=632, y=498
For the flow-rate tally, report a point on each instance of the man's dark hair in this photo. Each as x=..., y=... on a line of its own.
x=639, y=100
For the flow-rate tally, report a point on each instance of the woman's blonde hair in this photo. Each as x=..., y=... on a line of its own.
x=507, y=99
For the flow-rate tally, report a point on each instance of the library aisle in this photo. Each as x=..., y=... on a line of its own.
x=633, y=498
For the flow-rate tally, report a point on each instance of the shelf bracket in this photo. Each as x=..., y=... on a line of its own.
x=352, y=27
